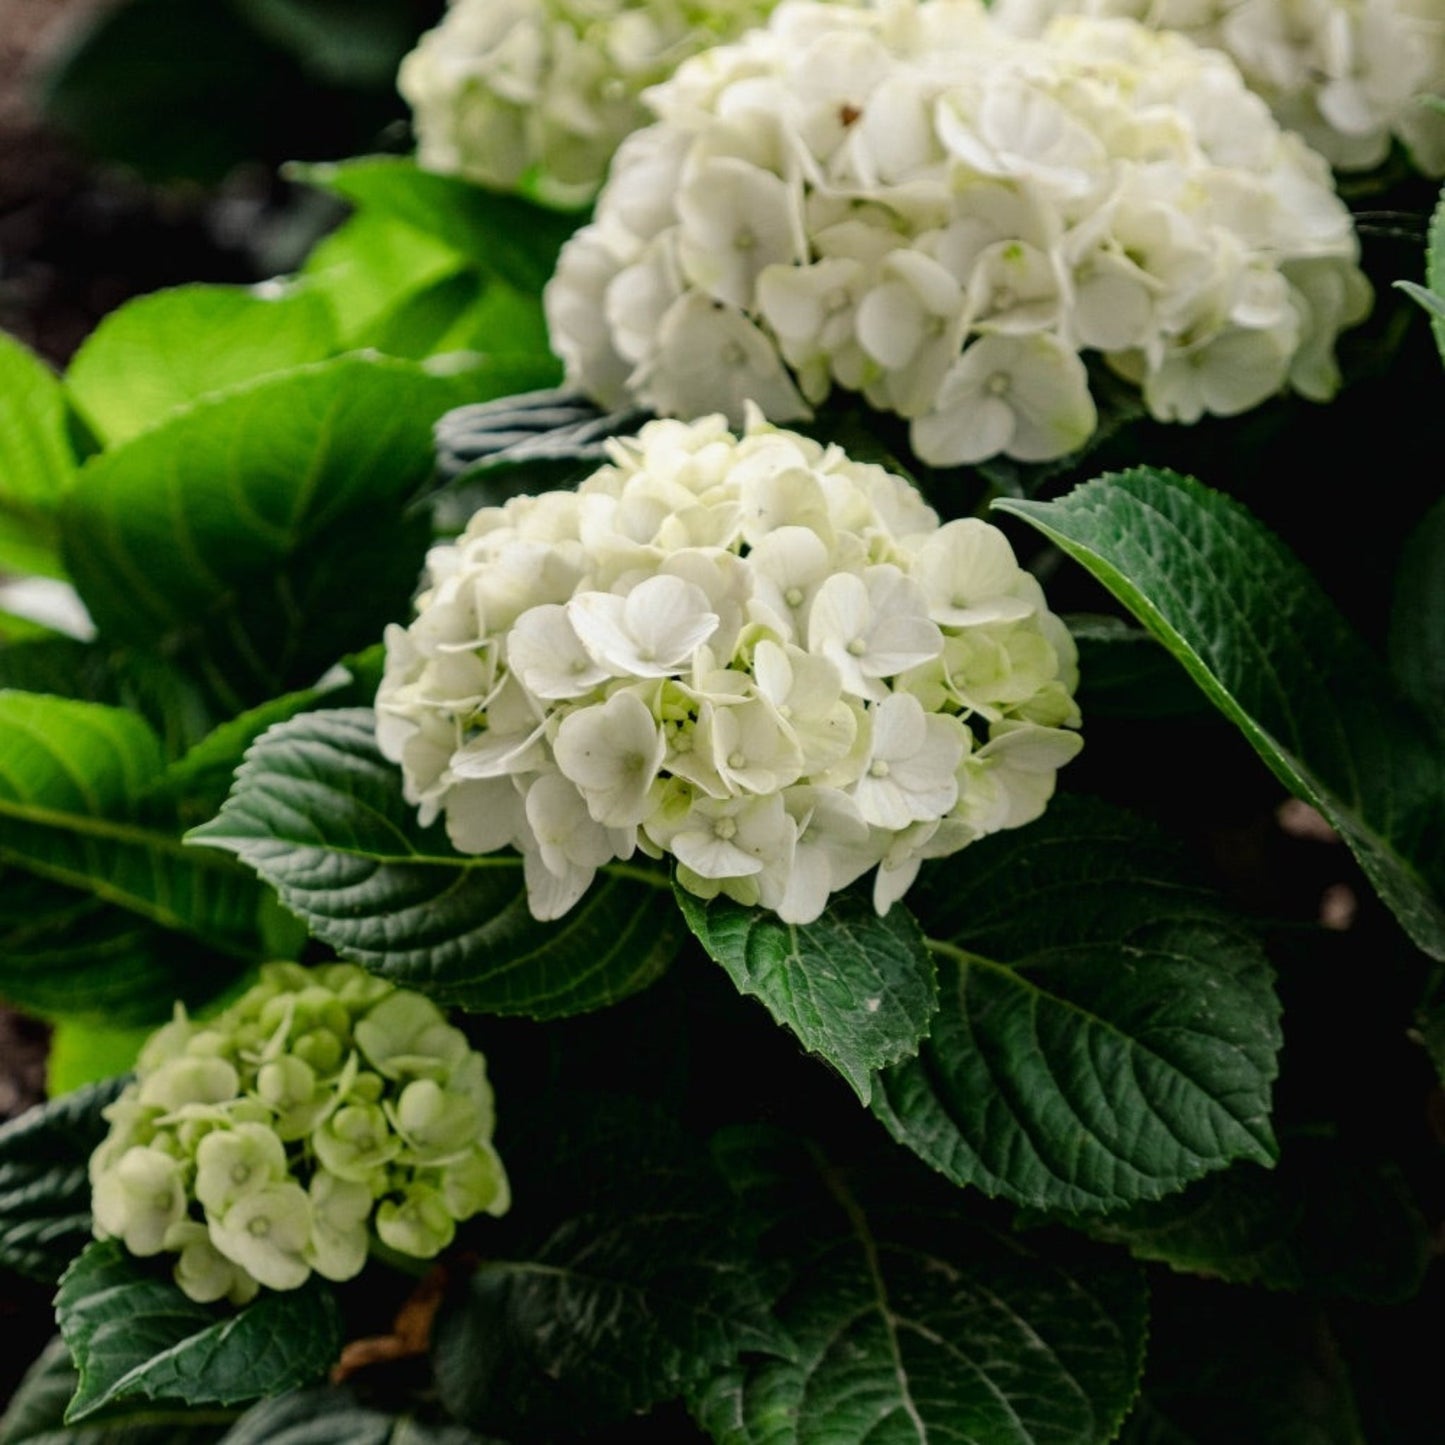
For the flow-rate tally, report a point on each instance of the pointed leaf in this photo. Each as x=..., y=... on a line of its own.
x=1417, y=620
x=914, y=1322
x=37, y=463
x=73, y=781
x=44, y=1184
x=67, y=953
x=161, y=352
x=1107, y=1030
x=133, y=1334
x=1323, y=1222
x=1227, y=1368
x=1271, y=651
x=259, y=533
x=856, y=988
x=319, y=814
x=638, y=1283
x=502, y=234
x=36, y=1414
x=323, y=1416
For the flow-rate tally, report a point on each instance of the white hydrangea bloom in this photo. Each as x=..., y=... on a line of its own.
x=910, y=201
x=762, y=659
x=539, y=93
x=1348, y=75
x=258, y=1147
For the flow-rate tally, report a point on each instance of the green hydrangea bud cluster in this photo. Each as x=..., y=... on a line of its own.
x=267, y=1142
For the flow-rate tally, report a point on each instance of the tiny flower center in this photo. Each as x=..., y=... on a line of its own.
x=737, y=760
x=793, y=596
x=745, y=239
x=725, y=828
x=259, y=1228
x=785, y=712
x=998, y=384
x=879, y=769
x=835, y=301
x=1003, y=298
x=733, y=354
x=857, y=647
x=240, y=1173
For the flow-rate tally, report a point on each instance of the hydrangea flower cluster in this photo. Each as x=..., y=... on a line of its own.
x=1347, y=74
x=752, y=654
x=540, y=92
x=909, y=202
x=260, y=1145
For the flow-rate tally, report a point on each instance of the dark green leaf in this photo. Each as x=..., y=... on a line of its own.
x=336, y=1417
x=349, y=42
x=1432, y=294
x=1230, y=1368
x=257, y=534
x=913, y=1322
x=161, y=352
x=858, y=989
x=133, y=1334
x=522, y=443
x=1125, y=672
x=1417, y=621
x=1323, y=1222
x=44, y=1187
x=1271, y=651
x=36, y=1415
x=37, y=463
x=319, y=813
x=503, y=235
x=66, y=953
x=646, y=1286
x=131, y=87
x=1107, y=1032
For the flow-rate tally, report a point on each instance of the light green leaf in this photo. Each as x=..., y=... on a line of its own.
x=36, y=1414
x=319, y=814
x=72, y=779
x=161, y=352
x=37, y=462
x=88, y=1051
x=372, y=264
x=258, y=534
x=1417, y=620
x=1324, y=1222
x=856, y=988
x=916, y=1323
x=44, y=1186
x=73, y=782
x=1254, y=629
x=503, y=235
x=1107, y=1030
x=133, y=1334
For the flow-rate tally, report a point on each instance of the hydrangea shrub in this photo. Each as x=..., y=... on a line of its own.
x=541, y=92
x=1348, y=75
x=274, y=1139
x=911, y=203
x=749, y=653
